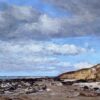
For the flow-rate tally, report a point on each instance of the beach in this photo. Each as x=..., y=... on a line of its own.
x=48, y=89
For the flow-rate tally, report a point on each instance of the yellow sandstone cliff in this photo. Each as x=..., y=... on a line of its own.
x=84, y=74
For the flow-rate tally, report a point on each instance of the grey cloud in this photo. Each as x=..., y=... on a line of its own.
x=25, y=23
x=22, y=22
x=78, y=6
x=14, y=17
x=84, y=19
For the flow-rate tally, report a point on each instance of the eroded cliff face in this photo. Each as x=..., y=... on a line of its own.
x=84, y=74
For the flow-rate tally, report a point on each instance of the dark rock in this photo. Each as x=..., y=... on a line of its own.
x=1, y=91
x=96, y=88
x=67, y=83
x=12, y=88
x=86, y=88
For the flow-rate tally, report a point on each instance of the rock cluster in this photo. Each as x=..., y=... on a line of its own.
x=27, y=86
x=11, y=86
x=88, y=89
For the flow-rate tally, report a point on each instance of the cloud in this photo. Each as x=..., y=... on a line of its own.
x=12, y=18
x=26, y=22
x=65, y=49
x=35, y=55
x=46, y=27
x=81, y=65
x=24, y=29
x=84, y=19
x=49, y=25
x=22, y=22
x=77, y=7
x=44, y=48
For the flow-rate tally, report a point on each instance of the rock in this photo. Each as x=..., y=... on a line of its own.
x=56, y=83
x=7, y=92
x=43, y=87
x=48, y=90
x=92, y=73
x=87, y=85
x=86, y=88
x=72, y=94
x=25, y=84
x=98, y=92
x=88, y=94
x=39, y=86
x=19, y=85
x=96, y=88
x=12, y=88
x=5, y=85
x=32, y=90
x=1, y=91
x=68, y=81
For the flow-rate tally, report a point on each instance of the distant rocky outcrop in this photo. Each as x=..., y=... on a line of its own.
x=92, y=73
x=27, y=86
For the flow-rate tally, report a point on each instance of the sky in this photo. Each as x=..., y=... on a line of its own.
x=48, y=37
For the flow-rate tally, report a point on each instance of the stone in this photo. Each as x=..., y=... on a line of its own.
x=88, y=94
x=28, y=91
x=96, y=88
x=72, y=94
x=86, y=88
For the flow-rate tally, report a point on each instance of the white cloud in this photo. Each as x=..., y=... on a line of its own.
x=81, y=65
x=45, y=25
x=63, y=64
x=66, y=49
x=43, y=48
x=37, y=55
x=49, y=25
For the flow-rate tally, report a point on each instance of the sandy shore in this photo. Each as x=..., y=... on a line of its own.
x=45, y=97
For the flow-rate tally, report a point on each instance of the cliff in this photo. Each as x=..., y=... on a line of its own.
x=84, y=74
